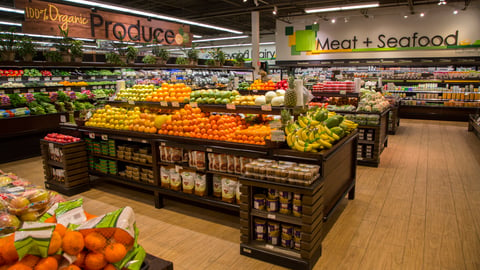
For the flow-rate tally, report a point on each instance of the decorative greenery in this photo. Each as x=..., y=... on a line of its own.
x=240, y=59
x=8, y=40
x=218, y=55
x=114, y=58
x=149, y=59
x=26, y=47
x=192, y=53
x=65, y=43
x=210, y=62
x=162, y=53
x=131, y=53
x=181, y=61
x=76, y=48
x=53, y=56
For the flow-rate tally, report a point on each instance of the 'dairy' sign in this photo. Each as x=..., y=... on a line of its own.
x=438, y=34
x=45, y=18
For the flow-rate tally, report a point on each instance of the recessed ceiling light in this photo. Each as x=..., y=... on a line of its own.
x=197, y=36
x=405, y=16
x=340, y=8
x=221, y=38
x=275, y=10
x=333, y=20
x=151, y=15
x=455, y=12
x=422, y=14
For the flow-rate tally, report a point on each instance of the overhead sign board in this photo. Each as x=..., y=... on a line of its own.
x=45, y=18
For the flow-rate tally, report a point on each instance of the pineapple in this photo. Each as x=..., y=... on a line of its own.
x=290, y=98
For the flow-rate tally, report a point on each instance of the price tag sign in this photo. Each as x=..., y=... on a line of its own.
x=2, y=92
x=111, y=98
x=343, y=92
x=93, y=77
x=267, y=107
x=105, y=77
x=31, y=79
x=105, y=137
x=131, y=102
x=31, y=90
x=209, y=150
x=271, y=216
x=119, y=77
x=231, y=106
x=89, y=115
x=175, y=104
x=275, y=124
x=43, y=89
x=46, y=79
x=173, y=78
x=255, y=91
x=144, y=141
x=94, y=87
x=193, y=104
x=268, y=246
x=61, y=88
x=278, y=136
x=214, y=78
x=163, y=144
x=80, y=78
x=11, y=79
x=129, y=139
x=67, y=78
x=18, y=79
x=63, y=119
x=56, y=79
x=68, y=88
x=91, y=135
x=16, y=91
x=163, y=104
x=83, y=88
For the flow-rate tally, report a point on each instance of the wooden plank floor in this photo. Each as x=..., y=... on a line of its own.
x=420, y=209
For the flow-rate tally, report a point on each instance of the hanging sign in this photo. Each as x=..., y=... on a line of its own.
x=45, y=18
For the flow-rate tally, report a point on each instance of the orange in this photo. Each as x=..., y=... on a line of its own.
x=123, y=237
x=94, y=241
x=73, y=242
x=51, y=219
x=110, y=267
x=95, y=261
x=55, y=243
x=48, y=263
x=60, y=229
x=115, y=252
x=19, y=266
x=8, y=250
x=80, y=261
x=71, y=267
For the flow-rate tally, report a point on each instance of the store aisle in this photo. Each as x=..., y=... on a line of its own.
x=420, y=209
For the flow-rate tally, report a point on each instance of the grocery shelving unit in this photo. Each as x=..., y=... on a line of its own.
x=371, y=147
x=473, y=125
x=72, y=161
x=319, y=201
x=393, y=119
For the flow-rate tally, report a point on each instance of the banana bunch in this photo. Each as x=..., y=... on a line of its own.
x=309, y=135
x=348, y=126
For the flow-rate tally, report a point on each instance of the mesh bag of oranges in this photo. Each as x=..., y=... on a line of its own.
x=77, y=240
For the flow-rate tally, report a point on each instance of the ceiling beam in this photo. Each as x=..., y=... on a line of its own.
x=410, y=6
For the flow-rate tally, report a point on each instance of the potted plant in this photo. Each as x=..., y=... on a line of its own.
x=131, y=54
x=26, y=49
x=149, y=59
x=162, y=55
x=210, y=62
x=240, y=59
x=218, y=56
x=7, y=45
x=53, y=56
x=181, y=61
x=64, y=44
x=76, y=50
x=114, y=58
x=192, y=55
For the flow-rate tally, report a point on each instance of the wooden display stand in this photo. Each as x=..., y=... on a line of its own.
x=73, y=160
x=319, y=200
x=369, y=150
x=473, y=125
x=393, y=120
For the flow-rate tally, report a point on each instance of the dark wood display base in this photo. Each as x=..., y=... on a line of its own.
x=378, y=144
x=436, y=112
x=69, y=191
x=153, y=263
x=473, y=126
x=393, y=120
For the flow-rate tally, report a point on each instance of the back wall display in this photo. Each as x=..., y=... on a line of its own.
x=439, y=33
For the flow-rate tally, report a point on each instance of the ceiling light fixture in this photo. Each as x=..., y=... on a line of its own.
x=151, y=15
x=47, y=36
x=315, y=22
x=333, y=21
x=244, y=1
x=197, y=36
x=341, y=8
x=442, y=2
x=10, y=23
x=405, y=16
x=12, y=10
x=229, y=45
x=221, y=38
x=422, y=14
x=455, y=12
x=275, y=10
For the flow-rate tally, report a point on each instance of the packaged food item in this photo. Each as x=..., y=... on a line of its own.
x=230, y=164
x=163, y=153
x=259, y=201
x=243, y=162
x=260, y=229
x=287, y=242
x=272, y=193
x=238, y=193
x=223, y=162
x=214, y=161
x=200, y=184
x=229, y=185
x=272, y=205
x=200, y=160
x=285, y=208
x=217, y=186
x=297, y=210
x=188, y=181
x=191, y=158
x=175, y=180
x=238, y=164
x=273, y=231
x=285, y=196
x=176, y=154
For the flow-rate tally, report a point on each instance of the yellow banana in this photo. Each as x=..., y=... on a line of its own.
x=302, y=123
x=298, y=133
x=290, y=140
x=314, y=123
x=315, y=145
x=325, y=143
x=335, y=136
x=304, y=134
x=311, y=136
x=299, y=142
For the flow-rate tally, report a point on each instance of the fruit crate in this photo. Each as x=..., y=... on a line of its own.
x=65, y=166
x=393, y=120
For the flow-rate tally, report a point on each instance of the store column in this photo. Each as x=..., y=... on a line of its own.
x=256, y=42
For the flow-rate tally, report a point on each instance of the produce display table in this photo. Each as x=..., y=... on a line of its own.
x=318, y=201
x=393, y=120
x=372, y=141
x=473, y=124
x=153, y=263
x=430, y=112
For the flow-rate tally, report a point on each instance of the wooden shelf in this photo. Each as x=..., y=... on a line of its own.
x=216, y=202
x=122, y=160
x=277, y=217
x=126, y=181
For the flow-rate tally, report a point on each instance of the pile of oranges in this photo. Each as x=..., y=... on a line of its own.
x=171, y=92
x=94, y=249
x=192, y=122
x=144, y=123
x=259, y=85
x=67, y=83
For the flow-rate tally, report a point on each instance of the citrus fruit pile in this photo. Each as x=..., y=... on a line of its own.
x=170, y=92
